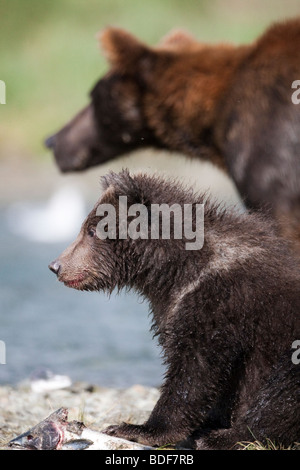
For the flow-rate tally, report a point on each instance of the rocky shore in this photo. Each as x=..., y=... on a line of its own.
x=21, y=407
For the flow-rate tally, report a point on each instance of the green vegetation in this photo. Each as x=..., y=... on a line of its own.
x=257, y=445
x=49, y=58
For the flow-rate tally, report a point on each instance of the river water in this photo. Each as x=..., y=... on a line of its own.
x=45, y=325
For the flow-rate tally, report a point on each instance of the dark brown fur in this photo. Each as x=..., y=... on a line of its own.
x=229, y=105
x=226, y=317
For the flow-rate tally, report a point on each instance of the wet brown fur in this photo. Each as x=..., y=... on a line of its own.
x=226, y=317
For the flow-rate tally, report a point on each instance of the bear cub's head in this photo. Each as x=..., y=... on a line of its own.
x=141, y=229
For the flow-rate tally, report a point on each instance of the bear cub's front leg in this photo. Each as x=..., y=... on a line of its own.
x=169, y=423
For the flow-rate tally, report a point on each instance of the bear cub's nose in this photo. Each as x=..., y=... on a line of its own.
x=55, y=267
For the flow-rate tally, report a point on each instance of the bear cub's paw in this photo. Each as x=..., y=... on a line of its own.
x=136, y=433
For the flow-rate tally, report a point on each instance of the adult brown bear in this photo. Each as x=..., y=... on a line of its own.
x=230, y=105
x=227, y=315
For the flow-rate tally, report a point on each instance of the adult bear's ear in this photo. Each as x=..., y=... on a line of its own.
x=126, y=53
x=178, y=39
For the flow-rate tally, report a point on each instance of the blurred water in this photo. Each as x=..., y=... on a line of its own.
x=84, y=335
x=51, y=221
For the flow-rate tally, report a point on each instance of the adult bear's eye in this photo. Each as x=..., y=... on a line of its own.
x=92, y=232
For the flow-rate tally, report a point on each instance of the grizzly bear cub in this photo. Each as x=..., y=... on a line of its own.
x=226, y=315
x=235, y=106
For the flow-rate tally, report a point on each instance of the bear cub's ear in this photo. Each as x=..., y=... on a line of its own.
x=125, y=184
x=123, y=51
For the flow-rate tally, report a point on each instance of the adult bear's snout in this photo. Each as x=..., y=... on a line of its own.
x=55, y=267
x=50, y=142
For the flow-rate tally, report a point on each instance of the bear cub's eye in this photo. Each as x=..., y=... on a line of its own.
x=92, y=232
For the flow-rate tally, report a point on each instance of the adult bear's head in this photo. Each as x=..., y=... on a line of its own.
x=147, y=98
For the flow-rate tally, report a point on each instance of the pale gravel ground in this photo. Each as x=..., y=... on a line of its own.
x=21, y=408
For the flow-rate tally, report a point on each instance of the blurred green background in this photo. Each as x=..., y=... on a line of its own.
x=49, y=57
